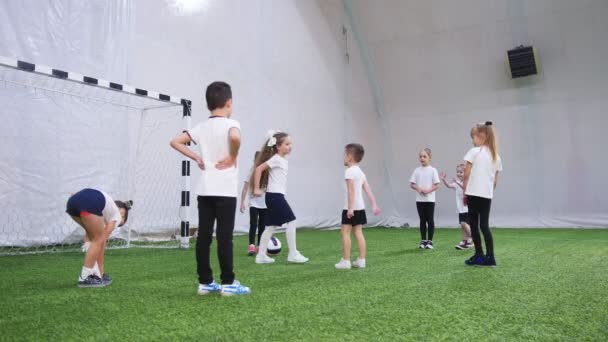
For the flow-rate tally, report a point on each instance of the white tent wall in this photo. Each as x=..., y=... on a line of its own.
x=441, y=66
x=285, y=60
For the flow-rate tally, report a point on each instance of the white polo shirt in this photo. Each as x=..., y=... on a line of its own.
x=277, y=179
x=211, y=137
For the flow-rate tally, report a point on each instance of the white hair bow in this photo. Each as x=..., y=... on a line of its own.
x=271, y=139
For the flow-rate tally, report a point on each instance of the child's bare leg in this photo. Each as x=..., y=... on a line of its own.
x=345, y=231
x=358, y=231
x=94, y=226
x=466, y=231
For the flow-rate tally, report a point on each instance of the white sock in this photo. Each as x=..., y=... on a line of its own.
x=290, y=233
x=96, y=270
x=265, y=239
x=85, y=273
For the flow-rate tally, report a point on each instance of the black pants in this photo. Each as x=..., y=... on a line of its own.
x=256, y=222
x=479, y=217
x=210, y=210
x=426, y=212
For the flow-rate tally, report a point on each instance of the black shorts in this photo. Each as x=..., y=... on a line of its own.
x=88, y=200
x=463, y=217
x=358, y=219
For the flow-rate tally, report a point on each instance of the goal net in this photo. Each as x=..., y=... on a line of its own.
x=60, y=136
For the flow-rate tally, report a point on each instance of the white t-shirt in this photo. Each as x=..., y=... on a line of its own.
x=110, y=212
x=483, y=172
x=358, y=177
x=425, y=177
x=277, y=179
x=211, y=137
x=462, y=208
x=257, y=201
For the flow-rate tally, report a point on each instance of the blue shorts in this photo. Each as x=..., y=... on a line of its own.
x=86, y=201
x=279, y=212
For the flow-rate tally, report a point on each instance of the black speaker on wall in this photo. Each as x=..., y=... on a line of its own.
x=522, y=61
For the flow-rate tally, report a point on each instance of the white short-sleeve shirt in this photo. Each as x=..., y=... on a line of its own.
x=483, y=172
x=425, y=177
x=277, y=179
x=211, y=137
x=256, y=201
x=355, y=174
x=110, y=212
x=462, y=208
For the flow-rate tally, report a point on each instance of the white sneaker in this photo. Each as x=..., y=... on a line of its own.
x=235, y=289
x=297, y=258
x=262, y=258
x=359, y=263
x=429, y=244
x=343, y=265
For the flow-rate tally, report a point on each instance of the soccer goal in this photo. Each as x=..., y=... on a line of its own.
x=62, y=132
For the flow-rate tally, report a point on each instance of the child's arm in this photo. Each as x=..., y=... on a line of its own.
x=495, y=180
x=372, y=198
x=465, y=179
x=179, y=144
x=257, y=176
x=415, y=187
x=243, y=196
x=444, y=177
x=350, y=186
x=234, y=141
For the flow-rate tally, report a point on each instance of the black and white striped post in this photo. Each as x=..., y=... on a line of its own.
x=153, y=95
x=185, y=205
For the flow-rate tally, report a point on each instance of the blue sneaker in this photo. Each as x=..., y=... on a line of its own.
x=205, y=289
x=235, y=289
x=475, y=260
x=91, y=281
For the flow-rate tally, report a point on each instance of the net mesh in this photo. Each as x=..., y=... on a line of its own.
x=60, y=136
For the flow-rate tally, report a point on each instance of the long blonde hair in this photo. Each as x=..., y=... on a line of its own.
x=487, y=129
x=265, y=153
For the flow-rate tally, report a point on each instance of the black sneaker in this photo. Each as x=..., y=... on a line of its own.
x=475, y=260
x=422, y=244
x=429, y=244
x=107, y=279
x=488, y=261
x=91, y=281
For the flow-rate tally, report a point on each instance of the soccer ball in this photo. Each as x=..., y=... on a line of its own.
x=274, y=246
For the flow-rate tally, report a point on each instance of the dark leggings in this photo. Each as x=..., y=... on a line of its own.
x=210, y=210
x=479, y=216
x=426, y=211
x=256, y=222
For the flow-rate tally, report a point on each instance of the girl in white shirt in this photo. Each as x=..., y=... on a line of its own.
x=480, y=176
x=98, y=214
x=271, y=175
x=257, y=212
x=425, y=181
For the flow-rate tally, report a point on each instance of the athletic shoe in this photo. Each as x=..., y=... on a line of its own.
x=91, y=281
x=205, y=289
x=488, y=261
x=297, y=258
x=470, y=244
x=343, y=265
x=107, y=279
x=262, y=258
x=422, y=244
x=85, y=247
x=463, y=245
x=429, y=244
x=359, y=263
x=251, y=250
x=475, y=260
x=235, y=289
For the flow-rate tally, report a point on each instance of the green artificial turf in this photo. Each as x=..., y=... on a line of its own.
x=549, y=285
